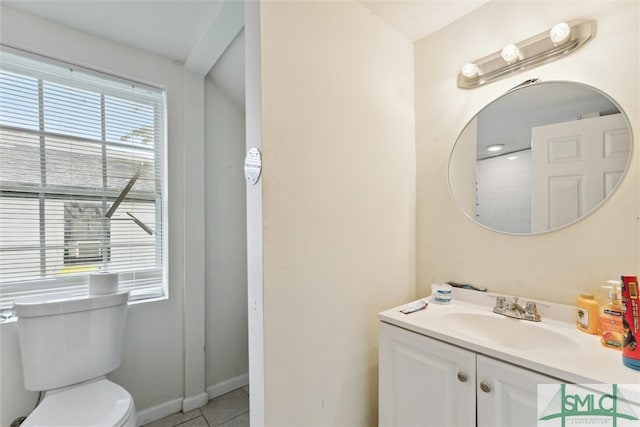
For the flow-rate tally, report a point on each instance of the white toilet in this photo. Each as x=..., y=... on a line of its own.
x=68, y=345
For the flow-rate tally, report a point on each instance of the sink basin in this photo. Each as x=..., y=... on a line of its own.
x=508, y=332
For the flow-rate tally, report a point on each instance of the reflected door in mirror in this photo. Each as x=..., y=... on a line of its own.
x=575, y=165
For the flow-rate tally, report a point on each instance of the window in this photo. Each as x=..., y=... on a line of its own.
x=81, y=179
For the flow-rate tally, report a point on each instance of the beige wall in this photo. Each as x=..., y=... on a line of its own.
x=554, y=266
x=338, y=205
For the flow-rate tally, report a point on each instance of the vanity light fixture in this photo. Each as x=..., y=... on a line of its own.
x=562, y=39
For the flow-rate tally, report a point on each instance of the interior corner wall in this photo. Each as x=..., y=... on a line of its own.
x=338, y=204
x=554, y=266
x=226, y=332
x=152, y=367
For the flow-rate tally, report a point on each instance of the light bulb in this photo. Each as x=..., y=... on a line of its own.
x=510, y=53
x=469, y=70
x=560, y=33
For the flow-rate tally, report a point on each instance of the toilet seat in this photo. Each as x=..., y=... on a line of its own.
x=95, y=403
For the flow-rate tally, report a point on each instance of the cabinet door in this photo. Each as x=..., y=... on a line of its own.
x=424, y=382
x=512, y=394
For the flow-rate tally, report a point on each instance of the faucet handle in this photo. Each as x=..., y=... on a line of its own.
x=531, y=312
x=501, y=305
x=531, y=307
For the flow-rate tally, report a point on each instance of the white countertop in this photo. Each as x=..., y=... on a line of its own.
x=587, y=361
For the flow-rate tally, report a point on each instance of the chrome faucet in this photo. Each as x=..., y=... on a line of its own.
x=515, y=310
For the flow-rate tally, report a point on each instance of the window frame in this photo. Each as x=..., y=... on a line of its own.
x=78, y=283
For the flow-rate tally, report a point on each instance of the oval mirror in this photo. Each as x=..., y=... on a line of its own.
x=540, y=157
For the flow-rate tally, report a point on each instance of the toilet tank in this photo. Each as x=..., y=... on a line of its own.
x=67, y=339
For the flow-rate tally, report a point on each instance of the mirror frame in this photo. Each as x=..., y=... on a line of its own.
x=527, y=85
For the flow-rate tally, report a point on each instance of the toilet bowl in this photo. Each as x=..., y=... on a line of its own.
x=94, y=403
x=68, y=344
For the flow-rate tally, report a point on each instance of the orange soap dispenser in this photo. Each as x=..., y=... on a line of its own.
x=611, y=316
x=587, y=314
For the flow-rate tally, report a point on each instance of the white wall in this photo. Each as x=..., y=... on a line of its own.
x=555, y=266
x=255, y=291
x=163, y=357
x=152, y=367
x=504, y=192
x=226, y=237
x=338, y=205
x=463, y=180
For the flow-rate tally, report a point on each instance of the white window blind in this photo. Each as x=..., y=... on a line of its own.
x=81, y=179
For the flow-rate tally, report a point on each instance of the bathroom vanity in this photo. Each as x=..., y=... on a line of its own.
x=463, y=365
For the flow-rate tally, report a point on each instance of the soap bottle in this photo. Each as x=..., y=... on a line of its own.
x=611, y=317
x=587, y=314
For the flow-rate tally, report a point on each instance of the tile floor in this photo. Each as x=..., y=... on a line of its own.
x=228, y=410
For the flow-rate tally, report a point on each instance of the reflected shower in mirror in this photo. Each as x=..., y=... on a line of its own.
x=540, y=157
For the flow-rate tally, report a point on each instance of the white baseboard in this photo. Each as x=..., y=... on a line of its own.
x=192, y=402
x=159, y=411
x=226, y=386
x=195, y=401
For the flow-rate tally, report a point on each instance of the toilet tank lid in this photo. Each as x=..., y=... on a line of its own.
x=48, y=305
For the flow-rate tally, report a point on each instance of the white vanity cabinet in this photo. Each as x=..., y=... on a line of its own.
x=426, y=382
x=507, y=394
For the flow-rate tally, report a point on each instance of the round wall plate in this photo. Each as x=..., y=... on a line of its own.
x=253, y=165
